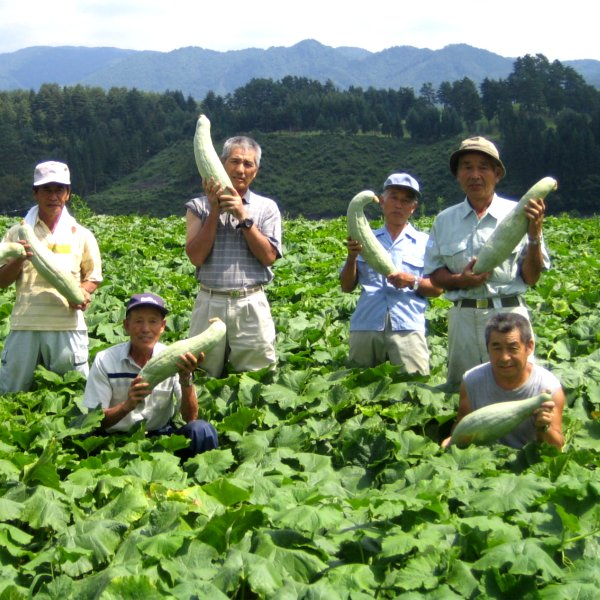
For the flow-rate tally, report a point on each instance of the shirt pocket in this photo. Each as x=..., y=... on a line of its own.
x=413, y=264
x=456, y=255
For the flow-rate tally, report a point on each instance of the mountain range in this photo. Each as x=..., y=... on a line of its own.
x=195, y=71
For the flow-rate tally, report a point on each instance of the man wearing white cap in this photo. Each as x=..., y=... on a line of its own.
x=44, y=328
x=456, y=237
x=389, y=320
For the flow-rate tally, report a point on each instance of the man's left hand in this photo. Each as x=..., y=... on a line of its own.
x=542, y=416
x=187, y=363
x=231, y=202
x=534, y=211
x=399, y=279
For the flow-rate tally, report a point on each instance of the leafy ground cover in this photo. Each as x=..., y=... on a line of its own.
x=329, y=482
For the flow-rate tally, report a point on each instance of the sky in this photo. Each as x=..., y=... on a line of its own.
x=512, y=28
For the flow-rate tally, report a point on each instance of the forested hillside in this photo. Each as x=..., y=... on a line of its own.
x=131, y=151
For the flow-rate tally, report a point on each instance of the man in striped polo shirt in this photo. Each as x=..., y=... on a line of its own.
x=233, y=239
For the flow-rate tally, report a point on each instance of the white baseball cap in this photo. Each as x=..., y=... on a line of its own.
x=51, y=172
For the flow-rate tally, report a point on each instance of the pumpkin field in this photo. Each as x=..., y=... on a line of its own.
x=329, y=482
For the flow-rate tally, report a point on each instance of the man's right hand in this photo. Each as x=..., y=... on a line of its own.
x=213, y=190
x=138, y=390
x=354, y=247
x=469, y=279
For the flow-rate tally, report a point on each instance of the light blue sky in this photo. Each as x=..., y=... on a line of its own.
x=558, y=30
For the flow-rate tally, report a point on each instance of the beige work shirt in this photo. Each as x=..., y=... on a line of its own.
x=38, y=305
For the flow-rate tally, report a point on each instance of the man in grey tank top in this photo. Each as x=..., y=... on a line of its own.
x=510, y=376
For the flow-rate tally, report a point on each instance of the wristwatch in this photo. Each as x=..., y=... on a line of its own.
x=245, y=224
x=415, y=285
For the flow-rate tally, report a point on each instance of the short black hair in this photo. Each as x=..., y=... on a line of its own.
x=506, y=322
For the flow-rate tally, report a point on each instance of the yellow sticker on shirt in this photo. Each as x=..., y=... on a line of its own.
x=60, y=248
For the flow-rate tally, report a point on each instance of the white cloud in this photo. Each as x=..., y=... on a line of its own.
x=512, y=28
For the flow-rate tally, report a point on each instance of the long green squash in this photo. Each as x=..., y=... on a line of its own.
x=45, y=264
x=360, y=230
x=164, y=365
x=511, y=229
x=488, y=423
x=11, y=250
x=208, y=162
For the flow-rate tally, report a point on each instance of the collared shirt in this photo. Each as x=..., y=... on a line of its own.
x=107, y=385
x=231, y=265
x=379, y=298
x=457, y=236
x=38, y=305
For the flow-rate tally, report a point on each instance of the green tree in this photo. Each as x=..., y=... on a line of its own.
x=423, y=122
x=427, y=93
x=527, y=82
x=450, y=124
x=494, y=96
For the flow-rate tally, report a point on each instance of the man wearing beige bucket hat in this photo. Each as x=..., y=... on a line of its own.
x=456, y=237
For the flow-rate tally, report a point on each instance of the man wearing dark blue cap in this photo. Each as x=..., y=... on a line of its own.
x=114, y=383
x=389, y=320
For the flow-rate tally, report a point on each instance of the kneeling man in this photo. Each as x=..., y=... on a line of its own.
x=509, y=375
x=115, y=385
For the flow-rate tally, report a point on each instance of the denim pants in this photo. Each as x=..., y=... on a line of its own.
x=202, y=436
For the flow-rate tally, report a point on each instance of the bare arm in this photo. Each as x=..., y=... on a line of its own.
x=189, y=400
x=200, y=236
x=445, y=279
x=349, y=272
x=88, y=288
x=260, y=246
x=533, y=263
x=548, y=420
x=464, y=408
x=426, y=288
x=10, y=272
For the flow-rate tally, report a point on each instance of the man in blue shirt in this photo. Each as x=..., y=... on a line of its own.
x=389, y=320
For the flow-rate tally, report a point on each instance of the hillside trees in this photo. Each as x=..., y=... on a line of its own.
x=101, y=135
x=546, y=114
x=544, y=117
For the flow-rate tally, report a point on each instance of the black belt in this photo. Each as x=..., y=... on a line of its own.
x=505, y=302
x=247, y=291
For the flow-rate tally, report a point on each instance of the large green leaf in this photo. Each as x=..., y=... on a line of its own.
x=525, y=557
x=508, y=492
